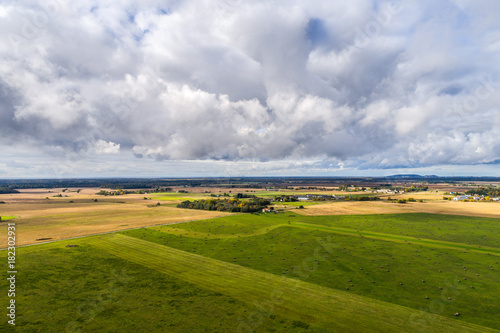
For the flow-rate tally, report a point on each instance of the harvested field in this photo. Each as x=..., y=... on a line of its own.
x=42, y=215
x=61, y=223
x=483, y=209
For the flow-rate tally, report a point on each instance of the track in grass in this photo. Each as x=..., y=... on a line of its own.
x=269, y=243
x=85, y=289
x=343, y=231
x=402, y=239
x=321, y=307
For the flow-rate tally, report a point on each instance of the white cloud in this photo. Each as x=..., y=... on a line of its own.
x=350, y=82
x=103, y=147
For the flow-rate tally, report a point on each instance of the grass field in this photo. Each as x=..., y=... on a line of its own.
x=302, y=270
x=119, y=283
x=318, y=307
x=268, y=243
x=298, y=203
x=86, y=289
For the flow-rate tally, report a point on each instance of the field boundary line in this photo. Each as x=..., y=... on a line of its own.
x=114, y=231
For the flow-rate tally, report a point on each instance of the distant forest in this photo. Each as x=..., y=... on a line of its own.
x=227, y=182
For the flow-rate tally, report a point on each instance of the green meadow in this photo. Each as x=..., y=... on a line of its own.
x=268, y=273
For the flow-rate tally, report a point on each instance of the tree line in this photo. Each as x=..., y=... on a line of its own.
x=6, y=190
x=486, y=191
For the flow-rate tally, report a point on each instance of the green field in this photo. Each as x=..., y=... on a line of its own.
x=269, y=273
x=299, y=203
x=86, y=289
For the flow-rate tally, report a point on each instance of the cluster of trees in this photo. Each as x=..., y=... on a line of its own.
x=244, y=196
x=160, y=190
x=5, y=190
x=486, y=191
x=286, y=198
x=220, y=195
x=416, y=188
x=117, y=192
x=344, y=187
x=348, y=187
x=227, y=205
x=367, y=198
x=309, y=188
x=403, y=201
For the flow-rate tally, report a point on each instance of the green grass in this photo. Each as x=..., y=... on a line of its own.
x=268, y=243
x=322, y=308
x=461, y=229
x=61, y=289
x=215, y=275
x=299, y=203
x=240, y=224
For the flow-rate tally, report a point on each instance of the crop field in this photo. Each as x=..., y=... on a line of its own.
x=269, y=272
x=484, y=209
x=57, y=218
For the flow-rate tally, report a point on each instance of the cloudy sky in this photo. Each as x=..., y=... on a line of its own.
x=241, y=88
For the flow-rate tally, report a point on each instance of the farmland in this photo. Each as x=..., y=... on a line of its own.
x=344, y=266
x=430, y=205
x=79, y=215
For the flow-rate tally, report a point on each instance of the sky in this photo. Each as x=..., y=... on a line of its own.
x=207, y=88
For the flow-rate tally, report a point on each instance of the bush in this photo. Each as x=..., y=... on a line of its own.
x=402, y=201
x=365, y=198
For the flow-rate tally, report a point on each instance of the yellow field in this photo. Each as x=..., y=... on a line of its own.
x=57, y=218
x=484, y=209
